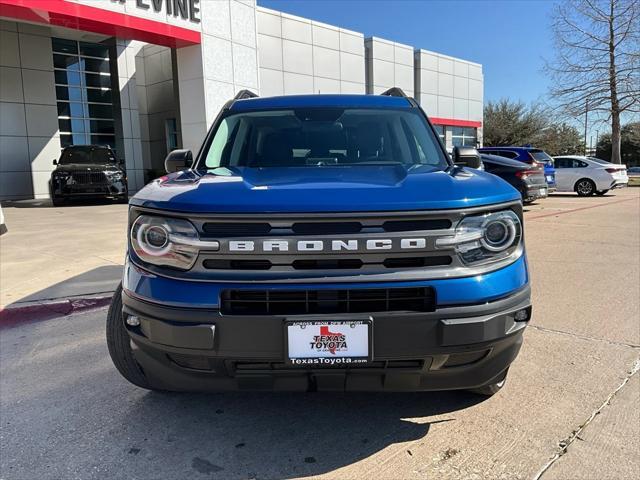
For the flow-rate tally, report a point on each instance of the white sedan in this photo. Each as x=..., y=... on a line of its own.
x=588, y=175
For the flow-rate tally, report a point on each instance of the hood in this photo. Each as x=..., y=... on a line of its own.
x=325, y=189
x=91, y=167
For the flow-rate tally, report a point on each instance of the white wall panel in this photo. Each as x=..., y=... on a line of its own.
x=270, y=51
x=325, y=85
x=39, y=87
x=326, y=63
x=326, y=36
x=297, y=29
x=269, y=23
x=9, y=52
x=352, y=67
x=11, y=85
x=35, y=52
x=445, y=85
x=295, y=83
x=297, y=57
x=14, y=154
x=460, y=87
x=271, y=82
x=351, y=42
x=12, y=119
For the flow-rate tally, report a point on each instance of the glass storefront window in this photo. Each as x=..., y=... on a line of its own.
x=83, y=92
x=464, y=136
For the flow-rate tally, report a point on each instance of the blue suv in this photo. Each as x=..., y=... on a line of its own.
x=322, y=242
x=529, y=155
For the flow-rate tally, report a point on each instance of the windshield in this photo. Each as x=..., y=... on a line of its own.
x=86, y=154
x=540, y=156
x=320, y=137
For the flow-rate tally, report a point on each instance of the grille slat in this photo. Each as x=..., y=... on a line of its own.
x=83, y=177
x=300, y=302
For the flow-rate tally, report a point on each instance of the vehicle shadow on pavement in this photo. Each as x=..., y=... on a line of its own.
x=265, y=435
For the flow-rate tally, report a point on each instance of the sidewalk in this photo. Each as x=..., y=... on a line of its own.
x=50, y=253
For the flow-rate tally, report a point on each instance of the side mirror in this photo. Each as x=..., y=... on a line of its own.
x=466, y=157
x=178, y=160
x=55, y=162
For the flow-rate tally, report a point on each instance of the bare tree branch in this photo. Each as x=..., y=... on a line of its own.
x=596, y=68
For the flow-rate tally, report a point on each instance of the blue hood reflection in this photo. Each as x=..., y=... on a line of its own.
x=323, y=189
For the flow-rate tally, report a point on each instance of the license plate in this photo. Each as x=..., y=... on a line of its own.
x=542, y=192
x=328, y=342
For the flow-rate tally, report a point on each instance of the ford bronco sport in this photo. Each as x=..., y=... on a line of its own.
x=322, y=242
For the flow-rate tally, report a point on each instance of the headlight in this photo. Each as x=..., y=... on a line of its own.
x=483, y=239
x=168, y=242
x=114, y=174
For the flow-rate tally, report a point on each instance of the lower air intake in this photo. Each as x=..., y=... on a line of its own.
x=300, y=302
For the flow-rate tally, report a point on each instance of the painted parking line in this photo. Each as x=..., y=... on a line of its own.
x=571, y=210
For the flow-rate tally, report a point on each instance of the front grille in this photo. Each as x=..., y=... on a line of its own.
x=254, y=229
x=236, y=229
x=82, y=177
x=301, y=302
x=328, y=263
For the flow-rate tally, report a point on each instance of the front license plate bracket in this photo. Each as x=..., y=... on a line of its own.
x=328, y=343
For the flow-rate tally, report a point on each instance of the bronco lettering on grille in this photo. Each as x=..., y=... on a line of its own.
x=342, y=245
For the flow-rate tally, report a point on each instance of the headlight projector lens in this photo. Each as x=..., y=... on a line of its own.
x=156, y=237
x=498, y=234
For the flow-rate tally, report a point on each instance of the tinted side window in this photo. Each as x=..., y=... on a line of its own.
x=489, y=166
x=579, y=164
x=560, y=162
x=508, y=153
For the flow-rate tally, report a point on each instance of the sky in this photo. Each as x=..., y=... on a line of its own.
x=509, y=38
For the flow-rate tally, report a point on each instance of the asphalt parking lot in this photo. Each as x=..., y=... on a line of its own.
x=66, y=412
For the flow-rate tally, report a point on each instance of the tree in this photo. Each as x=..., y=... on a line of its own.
x=511, y=123
x=629, y=145
x=597, y=63
x=560, y=139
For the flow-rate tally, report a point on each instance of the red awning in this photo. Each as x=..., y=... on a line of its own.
x=91, y=19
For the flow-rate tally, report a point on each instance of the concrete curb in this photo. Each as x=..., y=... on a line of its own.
x=45, y=310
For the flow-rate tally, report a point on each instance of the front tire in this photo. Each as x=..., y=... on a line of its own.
x=585, y=187
x=57, y=201
x=492, y=388
x=119, y=344
x=601, y=192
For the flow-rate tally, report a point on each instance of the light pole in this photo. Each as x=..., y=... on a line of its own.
x=586, y=116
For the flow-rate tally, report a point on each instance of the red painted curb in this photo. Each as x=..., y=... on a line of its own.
x=34, y=312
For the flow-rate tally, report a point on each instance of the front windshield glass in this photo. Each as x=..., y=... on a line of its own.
x=321, y=137
x=86, y=154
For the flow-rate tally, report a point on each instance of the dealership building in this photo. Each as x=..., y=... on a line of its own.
x=149, y=76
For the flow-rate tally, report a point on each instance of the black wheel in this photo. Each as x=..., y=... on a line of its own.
x=57, y=201
x=601, y=192
x=492, y=388
x=119, y=344
x=585, y=187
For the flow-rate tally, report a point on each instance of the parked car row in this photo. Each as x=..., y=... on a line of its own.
x=535, y=174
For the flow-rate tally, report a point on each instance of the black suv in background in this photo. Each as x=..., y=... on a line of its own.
x=88, y=171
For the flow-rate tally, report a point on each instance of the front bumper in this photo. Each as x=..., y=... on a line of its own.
x=536, y=191
x=199, y=349
x=114, y=189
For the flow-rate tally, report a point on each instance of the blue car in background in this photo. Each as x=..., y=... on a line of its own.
x=529, y=155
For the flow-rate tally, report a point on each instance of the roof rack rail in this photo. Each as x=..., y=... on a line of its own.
x=394, y=92
x=244, y=94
